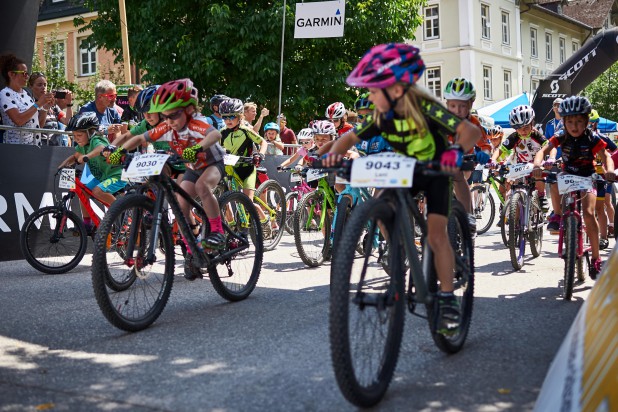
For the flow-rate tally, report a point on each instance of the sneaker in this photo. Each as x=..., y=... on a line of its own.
x=544, y=204
x=603, y=244
x=472, y=224
x=191, y=272
x=448, y=314
x=214, y=240
x=610, y=231
x=595, y=268
x=554, y=224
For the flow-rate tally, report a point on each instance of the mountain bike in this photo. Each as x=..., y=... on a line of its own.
x=368, y=298
x=269, y=196
x=483, y=202
x=54, y=239
x=133, y=274
x=524, y=215
x=572, y=244
x=300, y=188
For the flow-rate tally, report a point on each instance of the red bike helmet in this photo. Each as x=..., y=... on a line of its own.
x=173, y=95
x=386, y=64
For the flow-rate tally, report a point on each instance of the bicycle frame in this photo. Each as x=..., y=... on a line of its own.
x=574, y=208
x=83, y=194
x=233, y=183
x=329, y=201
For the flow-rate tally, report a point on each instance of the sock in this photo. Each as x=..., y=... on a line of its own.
x=541, y=194
x=215, y=224
x=87, y=221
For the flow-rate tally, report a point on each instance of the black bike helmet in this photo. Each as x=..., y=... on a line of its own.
x=216, y=100
x=83, y=121
x=142, y=103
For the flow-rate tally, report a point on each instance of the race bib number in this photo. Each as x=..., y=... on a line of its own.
x=67, y=179
x=519, y=170
x=230, y=159
x=149, y=164
x=295, y=178
x=315, y=174
x=571, y=183
x=383, y=170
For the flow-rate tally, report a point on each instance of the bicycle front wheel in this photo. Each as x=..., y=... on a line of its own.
x=130, y=291
x=291, y=200
x=484, y=208
x=517, y=239
x=535, y=235
x=344, y=207
x=463, y=249
x=312, y=229
x=367, y=306
x=271, y=193
x=235, y=278
x=570, y=255
x=53, y=240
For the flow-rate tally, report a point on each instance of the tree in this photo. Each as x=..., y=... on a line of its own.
x=603, y=93
x=233, y=47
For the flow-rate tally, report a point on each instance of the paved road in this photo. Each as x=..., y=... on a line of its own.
x=270, y=352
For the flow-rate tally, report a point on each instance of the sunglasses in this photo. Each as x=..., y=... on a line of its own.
x=173, y=116
x=305, y=142
x=110, y=96
x=229, y=117
x=22, y=72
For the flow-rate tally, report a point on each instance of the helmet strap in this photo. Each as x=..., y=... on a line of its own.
x=393, y=103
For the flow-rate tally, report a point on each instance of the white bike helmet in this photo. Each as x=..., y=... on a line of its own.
x=459, y=89
x=324, y=127
x=335, y=111
x=305, y=134
x=521, y=116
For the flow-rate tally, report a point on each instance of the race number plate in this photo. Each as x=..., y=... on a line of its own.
x=571, y=183
x=295, y=178
x=519, y=170
x=315, y=174
x=67, y=179
x=383, y=170
x=230, y=159
x=149, y=164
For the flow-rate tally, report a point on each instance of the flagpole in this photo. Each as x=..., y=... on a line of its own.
x=281, y=64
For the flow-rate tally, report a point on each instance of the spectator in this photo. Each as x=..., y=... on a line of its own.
x=271, y=134
x=17, y=108
x=102, y=106
x=56, y=118
x=215, y=118
x=287, y=135
x=555, y=124
x=251, y=112
x=130, y=115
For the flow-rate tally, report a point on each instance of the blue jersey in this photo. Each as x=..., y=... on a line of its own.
x=376, y=144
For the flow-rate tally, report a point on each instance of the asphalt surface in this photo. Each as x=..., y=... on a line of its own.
x=271, y=351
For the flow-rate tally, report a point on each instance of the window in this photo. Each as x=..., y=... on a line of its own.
x=87, y=58
x=575, y=46
x=534, y=52
x=507, y=84
x=432, y=23
x=548, y=47
x=487, y=82
x=485, y=23
x=562, y=46
x=506, y=30
x=56, y=54
x=434, y=81
x=535, y=85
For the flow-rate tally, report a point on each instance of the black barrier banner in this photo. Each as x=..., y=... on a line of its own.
x=581, y=69
x=27, y=184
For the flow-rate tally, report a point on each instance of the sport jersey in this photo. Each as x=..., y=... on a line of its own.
x=578, y=153
x=193, y=133
x=483, y=142
x=240, y=141
x=552, y=127
x=525, y=147
x=215, y=121
x=376, y=144
x=403, y=136
x=346, y=127
x=98, y=165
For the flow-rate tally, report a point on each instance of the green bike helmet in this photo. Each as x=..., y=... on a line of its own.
x=459, y=89
x=173, y=95
x=594, y=116
x=362, y=102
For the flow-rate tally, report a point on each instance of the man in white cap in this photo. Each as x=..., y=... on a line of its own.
x=555, y=124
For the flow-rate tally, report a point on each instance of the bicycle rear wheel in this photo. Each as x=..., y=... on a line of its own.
x=570, y=255
x=291, y=200
x=535, y=236
x=53, y=240
x=344, y=207
x=484, y=208
x=235, y=278
x=271, y=193
x=517, y=239
x=367, y=310
x=312, y=238
x=504, y=227
x=131, y=292
x=463, y=248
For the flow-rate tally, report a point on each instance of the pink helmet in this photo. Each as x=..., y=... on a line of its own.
x=387, y=64
x=335, y=111
x=324, y=127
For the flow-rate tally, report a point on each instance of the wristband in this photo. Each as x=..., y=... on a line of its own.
x=69, y=104
x=36, y=106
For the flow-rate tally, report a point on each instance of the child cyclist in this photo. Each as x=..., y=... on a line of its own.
x=89, y=145
x=307, y=148
x=525, y=142
x=579, y=148
x=190, y=136
x=417, y=125
x=338, y=115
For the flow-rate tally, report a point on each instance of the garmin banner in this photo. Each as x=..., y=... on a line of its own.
x=572, y=76
x=319, y=19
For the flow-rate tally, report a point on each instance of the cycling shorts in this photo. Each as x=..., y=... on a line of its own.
x=438, y=193
x=192, y=175
x=605, y=189
x=248, y=182
x=109, y=185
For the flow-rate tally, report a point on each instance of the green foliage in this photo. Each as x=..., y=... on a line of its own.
x=603, y=93
x=234, y=47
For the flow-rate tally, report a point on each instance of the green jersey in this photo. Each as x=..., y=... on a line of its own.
x=98, y=165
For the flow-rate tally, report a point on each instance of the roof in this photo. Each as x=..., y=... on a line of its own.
x=591, y=12
x=61, y=8
x=561, y=16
